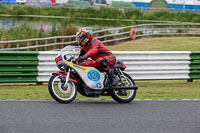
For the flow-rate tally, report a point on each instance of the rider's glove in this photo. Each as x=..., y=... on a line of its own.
x=81, y=58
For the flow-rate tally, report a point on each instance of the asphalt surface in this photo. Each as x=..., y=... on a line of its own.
x=100, y=117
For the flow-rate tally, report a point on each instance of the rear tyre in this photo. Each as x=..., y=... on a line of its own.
x=59, y=92
x=124, y=96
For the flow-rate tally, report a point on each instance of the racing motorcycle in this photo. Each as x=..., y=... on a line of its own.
x=88, y=81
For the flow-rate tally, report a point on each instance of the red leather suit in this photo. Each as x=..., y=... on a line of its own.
x=97, y=52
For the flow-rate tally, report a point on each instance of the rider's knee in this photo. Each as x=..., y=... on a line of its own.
x=104, y=65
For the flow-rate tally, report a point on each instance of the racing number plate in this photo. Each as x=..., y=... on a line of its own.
x=58, y=59
x=93, y=75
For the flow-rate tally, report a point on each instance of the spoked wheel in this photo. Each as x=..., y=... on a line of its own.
x=124, y=96
x=60, y=93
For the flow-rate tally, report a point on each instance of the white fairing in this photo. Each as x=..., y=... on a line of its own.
x=90, y=75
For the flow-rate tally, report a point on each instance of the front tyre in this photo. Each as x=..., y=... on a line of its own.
x=124, y=96
x=60, y=93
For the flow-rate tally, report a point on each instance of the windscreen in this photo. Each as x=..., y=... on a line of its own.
x=70, y=49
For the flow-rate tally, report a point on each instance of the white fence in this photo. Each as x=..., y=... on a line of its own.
x=140, y=65
x=106, y=36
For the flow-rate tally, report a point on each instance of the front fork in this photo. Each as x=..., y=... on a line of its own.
x=67, y=78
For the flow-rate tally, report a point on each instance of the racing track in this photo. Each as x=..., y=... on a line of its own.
x=100, y=116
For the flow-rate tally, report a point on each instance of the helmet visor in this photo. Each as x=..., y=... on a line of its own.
x=80, y=39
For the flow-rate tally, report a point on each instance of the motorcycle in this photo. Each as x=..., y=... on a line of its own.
x=88, y=81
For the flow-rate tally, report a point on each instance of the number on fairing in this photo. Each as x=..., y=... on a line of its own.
x=93, y=75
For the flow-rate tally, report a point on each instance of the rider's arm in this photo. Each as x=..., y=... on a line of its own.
x=82, y=52
x=93, y=50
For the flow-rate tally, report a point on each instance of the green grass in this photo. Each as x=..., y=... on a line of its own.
x=156, y=89
x=114, y=16
x=106, y=13
x=159, y=44
x=168, y=89
x=26, y=31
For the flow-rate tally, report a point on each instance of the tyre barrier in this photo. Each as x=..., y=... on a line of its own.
x=26, y=66
x=18, y=66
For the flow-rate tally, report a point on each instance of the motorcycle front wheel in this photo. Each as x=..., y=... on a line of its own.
x=60, y=93
x=124, y=96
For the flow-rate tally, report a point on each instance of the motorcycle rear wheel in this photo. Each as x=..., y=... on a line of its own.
x=124, y=96
x=59, y=93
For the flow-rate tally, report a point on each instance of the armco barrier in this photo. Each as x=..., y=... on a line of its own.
x=18, y=66
x=141, y=65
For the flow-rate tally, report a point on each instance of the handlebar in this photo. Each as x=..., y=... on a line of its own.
x=72, y=59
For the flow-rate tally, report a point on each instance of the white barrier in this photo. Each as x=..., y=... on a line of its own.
x=141, y=65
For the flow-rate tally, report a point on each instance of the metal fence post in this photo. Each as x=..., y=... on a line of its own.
x=36, y=43
x=27, y=44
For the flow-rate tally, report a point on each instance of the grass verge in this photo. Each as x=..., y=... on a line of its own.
x=152, y=89
x=159, y=44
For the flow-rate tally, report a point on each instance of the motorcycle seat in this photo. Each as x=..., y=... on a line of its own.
x=119, y=64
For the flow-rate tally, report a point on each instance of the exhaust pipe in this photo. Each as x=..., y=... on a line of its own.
x=121, y=87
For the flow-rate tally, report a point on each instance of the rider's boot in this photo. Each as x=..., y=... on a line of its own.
x=114, y=78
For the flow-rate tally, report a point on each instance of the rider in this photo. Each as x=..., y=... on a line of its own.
x=102, y=58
